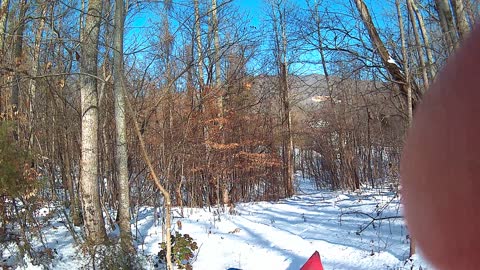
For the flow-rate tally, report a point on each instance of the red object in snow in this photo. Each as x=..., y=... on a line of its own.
x=314, y=263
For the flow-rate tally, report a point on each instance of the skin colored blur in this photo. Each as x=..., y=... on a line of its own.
x=440, y=167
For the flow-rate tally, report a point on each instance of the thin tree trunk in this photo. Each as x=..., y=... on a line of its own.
x=418, y=45
x=121, y=156
x=34, y=70
x=426, y=40
x=156, y=181
x=18, y=55
x=397, y=74
x=406, y=70
x=221, y=182
x=3, y=23
x=281, y=42
x=92, y=211
x=446, y=20
x=287, y=122
x=471, y=11
x=198, y=39
x=460, y=15
x=201, y=95
x=4, y=7
x=216, y=44
x=74, y=204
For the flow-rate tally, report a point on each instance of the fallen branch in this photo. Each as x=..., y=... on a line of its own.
x=373, y=219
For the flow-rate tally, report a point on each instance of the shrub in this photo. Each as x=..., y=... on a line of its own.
x=19, y=182
x=183, y=248
x=113, y=257
x=17, y=179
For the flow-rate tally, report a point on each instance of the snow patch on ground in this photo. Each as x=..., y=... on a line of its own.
x=270, y=235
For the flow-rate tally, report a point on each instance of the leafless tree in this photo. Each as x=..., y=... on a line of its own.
x=121, y=130
x=92, y=211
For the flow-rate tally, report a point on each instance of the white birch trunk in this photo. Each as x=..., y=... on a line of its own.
x=92, y=211
x=3, y=22
x=121, y=153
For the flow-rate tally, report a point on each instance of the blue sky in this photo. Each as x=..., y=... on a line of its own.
x=256, y=9
x=252, y=7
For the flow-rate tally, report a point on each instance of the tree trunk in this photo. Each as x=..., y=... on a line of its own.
x=34, y=70
x=74, y=204
x=198, y=39
x=92, y=211
x=472, y=11
x=288, y=138
x=18, y=56
x=406, y=70
x=202, y=93
x=426, y=40
x=281, y=42
x=121, y=156
x=216, y=41
x=3, y=23
x=156, y=181
x=393, y=69
x=418, y=45
x=221, y=185
x=446, y=21
x=460, y=15
x=3, y=27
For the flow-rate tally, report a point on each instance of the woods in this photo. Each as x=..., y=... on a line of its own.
x=107, y=106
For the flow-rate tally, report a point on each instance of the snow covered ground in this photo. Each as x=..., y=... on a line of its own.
x=274, y=235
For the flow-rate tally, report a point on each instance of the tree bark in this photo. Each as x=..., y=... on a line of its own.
x=418, y=45
x=394, y=70
x=426, y=40
x=472, y=11
x=18, y=56
x=92, y=211
x=121, y=156
x=3, y=27
x=198, y=40
x=221, y=185
x=446, y=21
x=3, y=23
x=156, y=181
x=74, y=204
x=288, y=138
x=406, y=70
x=460, y=16
x=281, y=42
x=34, y=69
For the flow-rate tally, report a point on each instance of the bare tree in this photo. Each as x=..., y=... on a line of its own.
x=407, y=73
x=221, y=185
x=279, y=21
x=4, y=8
x=121, y=153
x=418, y=45
x=36, y=61
x=198, y=41
x=155, y=180
x=389, y=63
x=92, y=211
x=446, y=22
x=461, y=19
x=18, y=55
x=426, y=40
x=3, y=22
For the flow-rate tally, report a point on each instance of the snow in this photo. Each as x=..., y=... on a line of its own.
x=270, y=235
x=391, y=61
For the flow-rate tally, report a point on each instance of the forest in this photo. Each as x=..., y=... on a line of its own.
x=107, y=106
